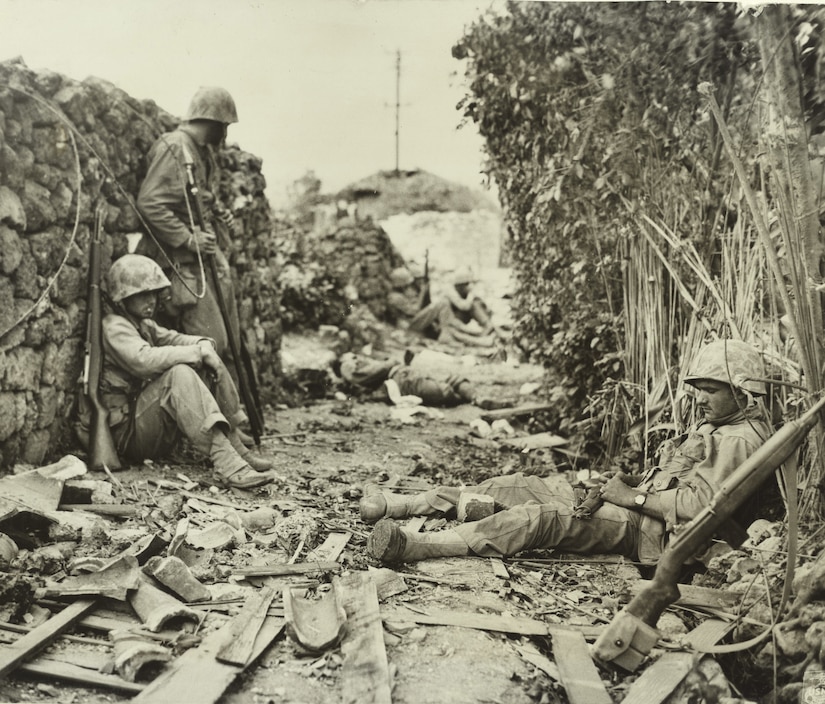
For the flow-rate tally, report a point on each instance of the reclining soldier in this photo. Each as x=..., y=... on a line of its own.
x=638, y=512
x=372, y=374
x=153, y=388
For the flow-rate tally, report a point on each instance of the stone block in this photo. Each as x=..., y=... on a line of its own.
x=11, y=250
x=27, y=283
x=37, y=204
x=12, y=212
x=22, y=369
x=36, y=446
x=12, y=413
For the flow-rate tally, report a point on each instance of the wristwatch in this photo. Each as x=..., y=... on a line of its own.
x=640, y=499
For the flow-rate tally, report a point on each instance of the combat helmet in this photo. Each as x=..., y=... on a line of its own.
x=732, y=362
x=212, y=103
x=134, y=273
x=463, y=276
x=401, y=277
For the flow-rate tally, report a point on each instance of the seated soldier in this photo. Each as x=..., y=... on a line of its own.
x=460, y=316
x=370, y=374
x=638, y=512
x=405, y=299
x=153, y=388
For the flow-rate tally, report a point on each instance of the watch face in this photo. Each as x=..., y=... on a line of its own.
x=640, y=499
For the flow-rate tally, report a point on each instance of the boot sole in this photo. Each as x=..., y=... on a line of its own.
x=386, y=542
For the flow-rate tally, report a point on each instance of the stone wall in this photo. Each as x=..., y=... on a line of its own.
x=46, y=216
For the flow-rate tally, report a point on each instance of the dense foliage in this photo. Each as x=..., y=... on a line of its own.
x=591, y=119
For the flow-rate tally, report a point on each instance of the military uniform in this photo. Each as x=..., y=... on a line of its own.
x=537, y=513
x=162, y=202
x=372, y=373
x=152, y=383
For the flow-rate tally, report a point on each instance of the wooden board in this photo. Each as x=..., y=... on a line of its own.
x=282, y=569
x=57, y=670
x=691, y=595
x=330, y=550
x=483, y=622
x=197, y=677
x=708, y=632
x=576, y=668
x=237, y=649
x=657, y=682
x=525, y=410
x=12, y=655
x=365, y=674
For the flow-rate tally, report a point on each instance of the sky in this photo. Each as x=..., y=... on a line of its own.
x=314, y=81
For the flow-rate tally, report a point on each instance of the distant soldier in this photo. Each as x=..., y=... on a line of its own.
x=153, y=383
x=459, y=316
x=371, y=374
x=175, y=241
x=406, y=298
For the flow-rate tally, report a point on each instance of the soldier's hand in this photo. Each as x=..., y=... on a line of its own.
x=225, y=215
x=617, y=492
x=209, y=357
x=202, y=240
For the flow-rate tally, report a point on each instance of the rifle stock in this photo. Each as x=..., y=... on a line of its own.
x=243, y=365
x=632, y=633
x=102, y=450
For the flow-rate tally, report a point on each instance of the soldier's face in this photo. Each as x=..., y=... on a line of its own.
x=216, y=134
x=141, y=305
x=715, y=399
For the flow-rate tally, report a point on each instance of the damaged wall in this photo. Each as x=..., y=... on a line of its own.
x=44, y=238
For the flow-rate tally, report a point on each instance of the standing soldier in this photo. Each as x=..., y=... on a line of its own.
x=175, y=241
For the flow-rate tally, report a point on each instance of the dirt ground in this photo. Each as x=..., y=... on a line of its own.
x=324, y=454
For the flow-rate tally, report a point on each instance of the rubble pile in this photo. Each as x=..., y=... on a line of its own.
x=68, y=148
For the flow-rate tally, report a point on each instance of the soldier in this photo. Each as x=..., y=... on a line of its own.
x=152, y=383
x=406, y=297
x=371, y=374
x=638, y=511
x=175, y=241
x=459, y=316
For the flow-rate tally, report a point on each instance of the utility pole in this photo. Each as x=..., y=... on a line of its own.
x=397, y=107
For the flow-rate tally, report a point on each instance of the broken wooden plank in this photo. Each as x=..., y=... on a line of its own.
x=197, y=677
x=238, y=647
x=54, y=669
x=282, y=569
x=708, y=633
x=314, y=619
x=692, y=595
x=660, y=679
x=537, y=441
x=119, y=510
x=483, y=622
x=416, y=523
x=578, y=673
x=12, y=655
x=330, y=550
x=499, y=568
x=365, y=675
x=527, y=409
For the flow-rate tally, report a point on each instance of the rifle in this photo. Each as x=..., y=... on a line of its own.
x=632, y=632
x=102, y=451
x=243, y=363
x=425, y=291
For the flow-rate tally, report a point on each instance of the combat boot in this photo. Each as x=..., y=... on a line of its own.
x=377, y=504
x=389, y=542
